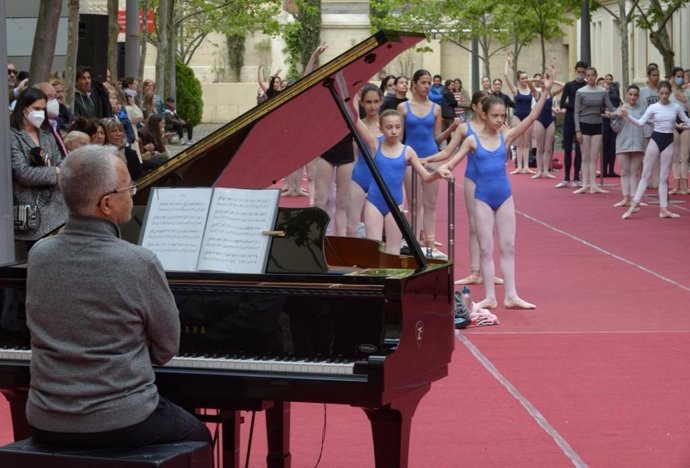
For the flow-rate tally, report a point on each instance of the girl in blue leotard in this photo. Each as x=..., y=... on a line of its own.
x=391, y=159
x=423, y=123
x=494, y=206
x=544, y=129
x=522, y=93
x=461, y=133
x=370, y=98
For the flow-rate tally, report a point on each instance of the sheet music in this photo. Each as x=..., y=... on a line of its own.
x=174, y=225
x=234, y=240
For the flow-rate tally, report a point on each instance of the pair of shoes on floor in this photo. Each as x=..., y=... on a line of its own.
x=435, y=254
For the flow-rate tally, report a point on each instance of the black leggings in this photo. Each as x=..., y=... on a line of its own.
x=568, y=140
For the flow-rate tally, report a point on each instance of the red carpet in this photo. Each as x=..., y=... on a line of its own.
x=598, y=375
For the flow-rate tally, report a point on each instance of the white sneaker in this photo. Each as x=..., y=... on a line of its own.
x=190, y=142
x=562, y=184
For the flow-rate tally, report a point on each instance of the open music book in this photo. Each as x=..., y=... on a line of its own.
x=210, y=229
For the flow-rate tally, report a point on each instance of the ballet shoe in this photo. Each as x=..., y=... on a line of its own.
x=628, y=213
x=596, y=189
x=517, y=303
x=682, y=192
x=472, y=279
x=498, y=280
x=537, y=175
x=642, y=204
x=516, y=171
x=622, y=203
x=582, y=189
x=528, y=171
x=548, y=175
x=668, y=214
x=487, y=304
x=673, y=191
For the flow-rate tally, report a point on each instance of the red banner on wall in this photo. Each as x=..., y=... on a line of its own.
x=121, y=21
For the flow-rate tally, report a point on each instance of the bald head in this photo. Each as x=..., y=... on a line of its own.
x=86, y=174
x=47, y=88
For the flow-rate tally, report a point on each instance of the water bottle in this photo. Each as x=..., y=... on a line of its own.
x=467, y=300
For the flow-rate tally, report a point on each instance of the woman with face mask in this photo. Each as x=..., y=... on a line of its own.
x=35, y=169
x=681, y=138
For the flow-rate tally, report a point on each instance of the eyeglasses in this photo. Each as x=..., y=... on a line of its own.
x=132, y=191
x=11, y=71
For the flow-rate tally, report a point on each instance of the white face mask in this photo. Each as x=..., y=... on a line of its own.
x=53, y=108
x=36, y=118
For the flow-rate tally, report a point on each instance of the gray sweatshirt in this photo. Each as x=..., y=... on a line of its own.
x=100, y=313
x=630, y=138
x=590, y=102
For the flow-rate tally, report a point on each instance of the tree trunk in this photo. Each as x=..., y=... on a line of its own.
x=143, y=40
x=132, y=49
x=44, y=42
x=172, y=52
x=72, y=46
x=113, y=31
x=625, y=46
x=163, y=42
x=662, y=42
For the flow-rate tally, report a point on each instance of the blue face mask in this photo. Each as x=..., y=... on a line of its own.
x=679, y=80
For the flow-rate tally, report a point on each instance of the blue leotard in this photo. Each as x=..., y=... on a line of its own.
x=419, y=132
x=523, y=105
x=546, y=116
x=361, y=174
x=492, y=184
x=470, y=170
x=392, y=171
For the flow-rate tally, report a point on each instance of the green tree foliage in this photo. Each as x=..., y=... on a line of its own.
x=655, y=18
x=302, y=36
x=235, y=43
x=190, y=103
x=194, y=20
x=495, y=24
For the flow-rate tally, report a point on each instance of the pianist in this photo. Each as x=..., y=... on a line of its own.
x=100, y=313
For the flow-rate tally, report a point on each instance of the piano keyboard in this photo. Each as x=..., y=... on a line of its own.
x=250, y=364
x=258, y=364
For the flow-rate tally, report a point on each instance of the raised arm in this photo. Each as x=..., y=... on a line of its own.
x=413, y=160
x=515, y=132
x=258, y=79
x=315, y=55
x=508, y=79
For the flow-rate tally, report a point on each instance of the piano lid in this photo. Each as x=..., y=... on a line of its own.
x=284, y=133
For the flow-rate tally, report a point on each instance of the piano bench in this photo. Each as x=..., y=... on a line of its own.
x=26, y=453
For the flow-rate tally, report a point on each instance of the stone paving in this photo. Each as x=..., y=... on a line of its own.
x=200, y=131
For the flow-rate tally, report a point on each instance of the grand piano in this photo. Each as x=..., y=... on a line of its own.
x=333, y=319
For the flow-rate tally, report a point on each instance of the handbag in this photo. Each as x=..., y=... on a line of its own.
x=25, y=217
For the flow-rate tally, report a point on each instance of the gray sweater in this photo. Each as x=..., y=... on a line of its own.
x=630, y=138
x=590, y=102
x=100, y=313
x=37, y=185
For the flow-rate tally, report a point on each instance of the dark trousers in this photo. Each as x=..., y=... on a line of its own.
x=168, y=423
x=180, y=127
x=568, y=141
x=608, y=147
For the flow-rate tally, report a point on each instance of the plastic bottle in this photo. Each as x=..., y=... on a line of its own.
x=467, y=299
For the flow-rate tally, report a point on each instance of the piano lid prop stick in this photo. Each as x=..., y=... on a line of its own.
x=273, y=233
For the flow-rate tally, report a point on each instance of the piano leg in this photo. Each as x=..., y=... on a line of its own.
x=17, y=400
x=390, y=427
x=230, y=437
x=278, y=435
